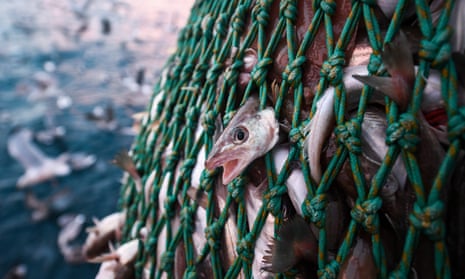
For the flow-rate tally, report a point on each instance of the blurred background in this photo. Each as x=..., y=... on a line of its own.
x=72, y=74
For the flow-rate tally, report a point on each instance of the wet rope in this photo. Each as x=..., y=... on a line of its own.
x=197, y=87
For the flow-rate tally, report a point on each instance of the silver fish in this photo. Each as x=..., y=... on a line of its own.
x=120, y=262
x=295, y=183
x=104, y=231
x=457, y=22
x=38, y=167
x=250, y=134
x=354, y=77
x=253, y=196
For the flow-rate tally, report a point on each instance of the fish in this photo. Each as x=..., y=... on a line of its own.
x=106, y=230
x=125, y=162
x=295, y=183
x=399, y=63
x=249, y=135
x=253, y=197
x=429, y=152
x=457, y=22
x=120, y=261
x=359, y=263
x=69, y=232
x=354, y=77
x=294, y=247
x=38, y=166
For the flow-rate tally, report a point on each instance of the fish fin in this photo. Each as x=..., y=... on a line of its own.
x=383, y=85
x=199, y=196
x=294, y=242
x=398, y=59
x=125, y=162
x=103, y=258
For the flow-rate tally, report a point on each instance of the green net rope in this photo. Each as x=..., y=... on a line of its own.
x=199, y=84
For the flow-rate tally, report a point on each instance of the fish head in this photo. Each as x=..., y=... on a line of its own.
x=249, y=135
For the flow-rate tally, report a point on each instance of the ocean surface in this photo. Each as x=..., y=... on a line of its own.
x=63, y=63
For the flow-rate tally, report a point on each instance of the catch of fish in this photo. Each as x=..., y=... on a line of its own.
x=257, y=139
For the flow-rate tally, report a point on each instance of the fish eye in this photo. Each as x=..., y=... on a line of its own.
x=240, y=135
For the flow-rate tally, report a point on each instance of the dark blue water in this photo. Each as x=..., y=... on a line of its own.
x=85, y=67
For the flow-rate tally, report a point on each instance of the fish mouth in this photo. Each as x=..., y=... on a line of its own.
x=232, y=165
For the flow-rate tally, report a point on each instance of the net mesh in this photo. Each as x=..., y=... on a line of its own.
x=304, y=47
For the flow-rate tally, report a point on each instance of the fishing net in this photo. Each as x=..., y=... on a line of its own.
x=300, y=48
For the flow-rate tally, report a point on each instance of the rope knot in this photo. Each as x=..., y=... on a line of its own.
x=288, y=9
x=244, y=249
x=328, y=6
x=315, y=209
x=193, y=114
x=179, y=113
x=260, y=13
x=171, y=161
x=296, y=135
x=349, y=135
x=456, y=125
x=215, y=70
x=273, y=198
x=190, y=273
x=199, y=72
x=213, y=234
x=151, y=245
x=332, y=68
x=375, y=63
x=187, y=220
x=293, y=71
x=429, y=219
x=365, y=213
x=260, y=71
x=329, y=271
x=186, y=168
x=437, y=49
x=238, y=19
x=207, y=26
x=207, y=179
x=404, y=132
x=208, y=123
x=236, y=188
x=167, y=261
x=169, y=206
x=221, y=25
x=187, y=71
